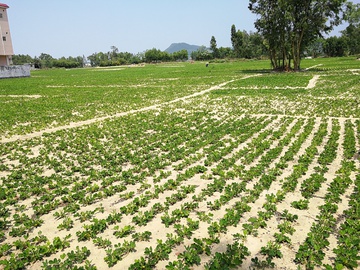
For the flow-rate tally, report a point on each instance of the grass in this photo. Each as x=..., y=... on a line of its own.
x=80, y=94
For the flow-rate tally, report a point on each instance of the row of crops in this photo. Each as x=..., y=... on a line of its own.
x=224, y=180
x=52, y=98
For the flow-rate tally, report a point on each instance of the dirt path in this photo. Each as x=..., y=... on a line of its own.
x=99, y=119
x=312, y=82
x=22, y=96
x=314, y=67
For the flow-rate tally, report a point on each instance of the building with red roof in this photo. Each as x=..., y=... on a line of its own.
x=6, y=48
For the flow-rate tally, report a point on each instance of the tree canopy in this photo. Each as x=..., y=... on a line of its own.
x=352, y=32
x=289, y=26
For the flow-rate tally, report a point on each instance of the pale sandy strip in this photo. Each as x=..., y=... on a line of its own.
x=21, y=96
x=312, y=82
x=313, y=67
x=95, y=120
x=354, y=71
x=266, y=87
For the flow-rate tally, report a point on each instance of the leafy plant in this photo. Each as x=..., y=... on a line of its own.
x=301, y=204
x=126, y=230
x=145, y=236
x=67, y=224
x=232, y=258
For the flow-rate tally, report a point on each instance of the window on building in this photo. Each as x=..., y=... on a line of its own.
x=0, y=15
x=4, y=38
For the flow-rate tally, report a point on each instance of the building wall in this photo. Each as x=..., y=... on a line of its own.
x=15, y=71
x=5, y=37
x=3, y=60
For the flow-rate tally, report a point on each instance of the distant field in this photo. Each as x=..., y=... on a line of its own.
x=181, y=166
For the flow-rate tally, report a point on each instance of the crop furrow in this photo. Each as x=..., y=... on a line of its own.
x=311, y=252
x=232, y=217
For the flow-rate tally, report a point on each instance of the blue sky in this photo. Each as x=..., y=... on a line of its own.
x=82, y=27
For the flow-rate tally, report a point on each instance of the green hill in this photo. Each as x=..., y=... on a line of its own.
x=175, y=47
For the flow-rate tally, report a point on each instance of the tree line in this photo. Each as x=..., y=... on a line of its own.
x=290, y=27
x=287, y=31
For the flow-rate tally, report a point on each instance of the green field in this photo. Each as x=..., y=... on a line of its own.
x=182, y=166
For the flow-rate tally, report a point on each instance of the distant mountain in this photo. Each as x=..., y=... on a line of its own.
x=175, y=47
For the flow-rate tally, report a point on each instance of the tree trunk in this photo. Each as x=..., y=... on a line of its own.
x=273, y=58
x=296, y=44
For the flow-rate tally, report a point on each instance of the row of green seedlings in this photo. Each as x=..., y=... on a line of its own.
x=348, y=234
x=257, y=170
x=234, y=189
x=163, y=249
x=259, y=141
x=348, y=249
x=96, y=196
x=182, y=231
x=272, y=249
x=313, y=184
x=263, y=163
x=237, y=187
x=225, y=162
x=241, y=133
x=35, y=249
x=282, y=238
x=230, y=219
x=167, y=139
x=311, y=252
x=290, y=183
x=214, y=153
x=134, y=206
x=253, y=150
x=216, y=228
x=22, y=224
x=332, y=107
x=77, y=193
x=63, y=159
x=167, y=219
x=86, y=201
x=67, y=222
x=139, y=218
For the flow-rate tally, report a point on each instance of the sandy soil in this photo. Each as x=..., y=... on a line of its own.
x=254, y=243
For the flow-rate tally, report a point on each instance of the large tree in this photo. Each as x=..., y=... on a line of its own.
x=289, y=26
x=213, y=47
x=335, y=46
x=352, y=32
x=236, y=40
